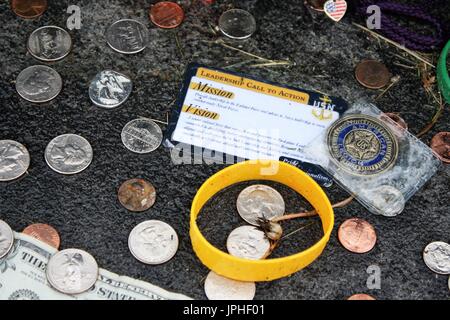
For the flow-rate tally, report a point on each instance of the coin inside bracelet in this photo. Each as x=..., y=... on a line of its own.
x=237, y=24
x=49, y=43
x=127, y=36
x=14, y=160
x=141, y=136
x=109, y=89
x=38, y=84
x=6, y=238
x=221, y=288
x=248, y=242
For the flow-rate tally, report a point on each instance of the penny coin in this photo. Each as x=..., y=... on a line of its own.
x=142, y=136
x=388, y=200
x=6, y=238
x=441, y=146
x=137, y=195
x=44, y=233
x=38, y=84
x=49, y=43
x=221, y=288
x=316, y=4
x=109, y=89
x=127, y=36
x=14, y=160
x=248, y=242
x=437, y=257
x=372, y=74
x=166, y=14
x=397, y=119
x=68, y=154
x=72, y=271
x=237, y=24
x=29, y=9
x=361, y=296
x=357, y=235
x=153, y=242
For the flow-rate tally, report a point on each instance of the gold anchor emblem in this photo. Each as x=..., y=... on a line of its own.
x=323, y=114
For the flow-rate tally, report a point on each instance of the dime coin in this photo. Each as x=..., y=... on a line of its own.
x=441, y=146
x=362, y=145
x=361, y=296
x=29, y=9
x=221, y=288
x=72, y=271
x=437, y=257
x=153, y=242
x=372, y=74
x=166, y=14
x=6, y=238
x=68, y=154
x=357, y=235
x=237, y=24
x=142, y=136
x=49, y=43
x=397, y=119
x=248, y=242
x=109, y=89
x=137, y=195
x=127, y=36
x=14, y=160
x=260, y=202
x=38, y=84
x=44, y=233
x=388, y=200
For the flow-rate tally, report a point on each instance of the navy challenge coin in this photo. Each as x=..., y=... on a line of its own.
x=362, y=145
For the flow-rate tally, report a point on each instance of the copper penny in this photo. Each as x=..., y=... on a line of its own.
x=44, y=233
x=397, y=119
x=372, y=74
x=166, y=14
x=441, y=146
x=316, y=4
x=29, y=9
x=357, y=235
x=137, y=195
x=361, y=296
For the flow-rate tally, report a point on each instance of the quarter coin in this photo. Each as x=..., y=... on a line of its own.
x=441, y=146
x=361, y=296
x=248, y=242
x=6, y=238
x=237, y=24
x=259, y=202
x=44, y=233
x=372, y=74
x=142, y=136
x=68, y=154
x=357, y=235
x=127, y=36
x=14, y=160
x=38, y=84
x=72, y=271
x=437, y=257
x=137, y=195
x=166, y=14
x=153, y=242
x=221, y=288
x=109, y=89
x=50, y=43
x=29, y=9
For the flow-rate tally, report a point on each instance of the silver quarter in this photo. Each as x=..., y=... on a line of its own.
x=248, y=242
x=38, y=84
x=6, y=239
x=68, y=154
x=437, y=257
x=221, y=288
x=388, y=200
x=142, y=136
x=237, y=24
x=49, y=43
x=127, y=36
x=109, y=89
x=153, y=242
x=260, y=202
x=72, y=271
x=14, y=160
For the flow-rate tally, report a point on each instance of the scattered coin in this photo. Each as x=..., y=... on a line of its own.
x=248, y=242
x=38, y=84
x=221, y=288
x=6, y=238
x=72, y=271
x=437, y=257
x=153, y=242
x=14, y=160
x=29, y=9
x=49, y=43
x=44, y=233
x=441, y=146
x=142, y=136
x=68, y=154
x=388, y=200
x=259, y=202
x=109, y=89
x=397, y=119
x=166, y=14
x=357, y=235
x=372, y=74
x=316, y=4
x=127, y=36
x=361, y=296
x=237, y=24
x=137, y=195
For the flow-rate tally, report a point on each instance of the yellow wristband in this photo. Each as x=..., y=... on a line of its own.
x=269, y=269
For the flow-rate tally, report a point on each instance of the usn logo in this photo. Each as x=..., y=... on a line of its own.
x=323, y=109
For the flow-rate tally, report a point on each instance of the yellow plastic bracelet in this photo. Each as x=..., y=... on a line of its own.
x=269, y=269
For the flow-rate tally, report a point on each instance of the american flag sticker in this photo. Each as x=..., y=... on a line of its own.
x=335, y=9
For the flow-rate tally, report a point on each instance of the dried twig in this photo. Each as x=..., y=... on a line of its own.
x=394, y=80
